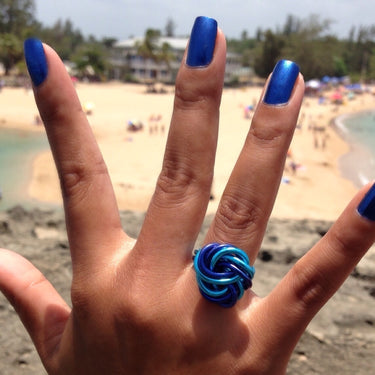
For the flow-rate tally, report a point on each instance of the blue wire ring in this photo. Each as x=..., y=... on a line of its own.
x=223, y=273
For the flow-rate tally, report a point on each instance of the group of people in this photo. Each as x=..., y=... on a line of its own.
x=156, y=125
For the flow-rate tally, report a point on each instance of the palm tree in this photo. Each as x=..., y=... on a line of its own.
x=166, y=55
x=10, y=51
x=148, y=47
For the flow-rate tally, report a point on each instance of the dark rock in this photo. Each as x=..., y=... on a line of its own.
x=339, y=340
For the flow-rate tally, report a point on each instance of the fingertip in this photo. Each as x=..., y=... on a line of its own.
x=281, y=83
x=36, y=60
x=194, y=83
x=31, y=295
x=14, y=270
x=202, y=42
x=366, y=207
x=56, y=93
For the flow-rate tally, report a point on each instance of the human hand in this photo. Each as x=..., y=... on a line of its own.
x=136, y=307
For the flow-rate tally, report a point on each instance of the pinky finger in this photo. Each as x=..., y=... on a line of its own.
x=319, y=274
x=41, y=309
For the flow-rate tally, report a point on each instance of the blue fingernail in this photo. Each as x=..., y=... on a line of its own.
x=202, y=42
x=36, y=60
x=367, y=206
x=281, y=83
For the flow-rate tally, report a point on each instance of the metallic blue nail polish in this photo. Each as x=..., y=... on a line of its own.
x=367, y=206
x=281, y=83
x=202, y=42
x=36, y=60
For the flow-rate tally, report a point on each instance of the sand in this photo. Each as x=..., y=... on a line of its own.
x=316, y=190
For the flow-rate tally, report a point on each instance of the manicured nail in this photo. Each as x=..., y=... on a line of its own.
x=367, y=206
x=281, y=84
x=36, y=60
x=202, y=42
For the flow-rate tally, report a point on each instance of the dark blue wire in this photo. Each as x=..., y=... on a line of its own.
x=224, y=279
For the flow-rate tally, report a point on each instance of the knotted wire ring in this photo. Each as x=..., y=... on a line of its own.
x=223, y=273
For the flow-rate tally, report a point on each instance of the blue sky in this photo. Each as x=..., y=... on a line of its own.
x=123, y=18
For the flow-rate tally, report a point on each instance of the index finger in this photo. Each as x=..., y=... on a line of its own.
x=91, y=211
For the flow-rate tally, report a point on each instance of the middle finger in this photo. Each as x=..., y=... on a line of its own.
x=179, y=203
x=249, y=196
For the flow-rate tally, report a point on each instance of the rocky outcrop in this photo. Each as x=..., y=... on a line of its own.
x=340, y=339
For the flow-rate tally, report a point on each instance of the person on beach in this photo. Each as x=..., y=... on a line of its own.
x=144, y=306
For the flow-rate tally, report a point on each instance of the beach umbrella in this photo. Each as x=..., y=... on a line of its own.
x=355, y=87
x=337, y=97
x=313, y=84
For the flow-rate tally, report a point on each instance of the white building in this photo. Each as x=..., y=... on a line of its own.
x=128, y=64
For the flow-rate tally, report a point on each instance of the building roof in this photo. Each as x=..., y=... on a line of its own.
x=175, y=43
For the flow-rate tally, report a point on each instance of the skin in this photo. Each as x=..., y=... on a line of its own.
x=136, y=308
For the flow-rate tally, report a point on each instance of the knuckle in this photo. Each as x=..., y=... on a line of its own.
x=178, y=180
x=175, y=176
x=237, y=215
x=188, y=100
x=76, y=177
x=270, y=135
x=309, y=286
x=196, y=91
x=84, y=295
x=264, y=137
x=342, y=242
x=81, y=302
x=187, y=94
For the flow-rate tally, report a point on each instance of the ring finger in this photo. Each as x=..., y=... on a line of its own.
x=249, y=196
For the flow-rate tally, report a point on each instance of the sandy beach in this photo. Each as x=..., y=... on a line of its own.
x=316, y=189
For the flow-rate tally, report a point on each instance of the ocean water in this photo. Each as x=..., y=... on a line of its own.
x=359, y=131
x=17, y=151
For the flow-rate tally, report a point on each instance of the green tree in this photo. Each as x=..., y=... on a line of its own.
x=16, y=16
x=151, y=48
x=307, y=42
x=292, y=25
x=371, y=74
x=108, y=42
x=269, y=54
x=91, y=61
x=10, y=50
x=64, y=38
x=340, y=68
x=359, y=50
x=17, y=22
x=148, y=48
x=170, y=28
x=165, y=55
x=245, y=46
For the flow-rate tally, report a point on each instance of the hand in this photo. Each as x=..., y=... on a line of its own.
x=136, y=307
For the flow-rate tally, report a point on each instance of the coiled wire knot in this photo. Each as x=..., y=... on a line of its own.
x=223, y=273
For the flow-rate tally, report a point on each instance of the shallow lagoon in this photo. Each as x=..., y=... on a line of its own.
x=359, y=131
x=18, y=148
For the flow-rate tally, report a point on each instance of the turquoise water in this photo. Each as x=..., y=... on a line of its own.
x=359, y=131
x=17, y=151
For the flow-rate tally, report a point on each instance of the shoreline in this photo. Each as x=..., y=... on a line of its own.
x=358, y=163
x=20, y=148
x=319, y=189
